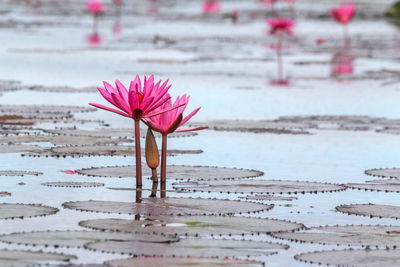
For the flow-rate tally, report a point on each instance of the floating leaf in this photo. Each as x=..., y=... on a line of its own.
x=170, y=206
x=80, y=238
x=19, y=258
x=352, y=235
x=351, y=257
x=175, y=172
x=11, y=211
x=191, y=247
x=182, y=262
x=194, y=225
x=371, y=210
x=259, y=186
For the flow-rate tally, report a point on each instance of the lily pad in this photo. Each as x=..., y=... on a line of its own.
x=19, y=258
x=352, y=235
x=39, y=112
x=127, y=133
x=257, y=126
x=12, y=211
x=259, y=187
x=80, y=238
x=19, y=148
x=351, y=257
x=73, y=184
x=388, y=172
x=194, y=225
x=191, y=247
x=378, y=185
x=184, y=262
x=268, y=198
x=178, y=172
x=19, y=173
x=170, y=206
x=371, y=210
x=99, y=150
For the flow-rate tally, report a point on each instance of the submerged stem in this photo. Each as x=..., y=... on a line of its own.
x=138, y=154
x=155, y=183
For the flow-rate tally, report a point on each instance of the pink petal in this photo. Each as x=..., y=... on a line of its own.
x=146, y=103
x=188, y=117
x=107, y=96
x=109, y=109
x=191, y=129
x=121, y=104
x=161, y=111
x=122, y=90
x=159, y=104
x=109, y=88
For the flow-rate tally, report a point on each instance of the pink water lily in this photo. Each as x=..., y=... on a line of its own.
x=138, y=103
x=343, y=13
x=95, y=6
x=280, y=25
x=170, y=122
x=211, y=7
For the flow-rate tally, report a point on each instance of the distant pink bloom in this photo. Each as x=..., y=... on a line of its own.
x=139, y=102
x=163, y=122
x=343, y=13
x=280, y=25
x=211, y=6
x=95, y=6
x=320, y=41
x=94, y=39
x=117, y=2
x=341, y=64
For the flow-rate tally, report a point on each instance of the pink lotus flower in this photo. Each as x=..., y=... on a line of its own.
x=117, y=2
x=95, y=6
x=169, y=122
x=165, y=122
x=211, y=6
x=280, y=25
x=343, y=13
x=138, y=103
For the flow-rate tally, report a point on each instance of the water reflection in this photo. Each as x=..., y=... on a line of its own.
x=341, y=64
x=153, y=7
x=94, y=39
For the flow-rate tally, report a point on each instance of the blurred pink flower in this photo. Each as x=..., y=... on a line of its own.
x=343, y=13
x=95, y=6
x=117, y=2
x=211, y=6
x=280, y=25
